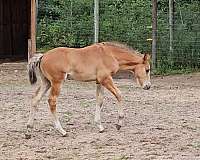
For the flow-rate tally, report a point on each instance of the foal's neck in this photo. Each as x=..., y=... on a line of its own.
x=127, y=61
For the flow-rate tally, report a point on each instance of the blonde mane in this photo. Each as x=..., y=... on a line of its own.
x=122, y=46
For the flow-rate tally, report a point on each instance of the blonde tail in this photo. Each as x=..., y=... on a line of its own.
x=33, y=64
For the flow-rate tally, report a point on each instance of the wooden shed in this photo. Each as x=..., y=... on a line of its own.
x=17, y=28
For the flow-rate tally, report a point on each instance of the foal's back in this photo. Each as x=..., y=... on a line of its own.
x=85, y=64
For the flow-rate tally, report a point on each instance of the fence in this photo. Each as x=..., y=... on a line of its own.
x=186, y=42
x=70, y=23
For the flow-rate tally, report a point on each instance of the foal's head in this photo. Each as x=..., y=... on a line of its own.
x=142, y=72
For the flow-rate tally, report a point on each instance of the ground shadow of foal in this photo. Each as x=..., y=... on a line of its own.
x=97, y=62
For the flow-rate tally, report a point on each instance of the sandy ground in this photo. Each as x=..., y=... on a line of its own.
x=161, y=123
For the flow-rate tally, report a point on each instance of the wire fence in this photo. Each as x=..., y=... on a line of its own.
x=70, y=23
x=186, y=42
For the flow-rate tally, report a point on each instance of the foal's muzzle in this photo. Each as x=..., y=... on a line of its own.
x=147, y=85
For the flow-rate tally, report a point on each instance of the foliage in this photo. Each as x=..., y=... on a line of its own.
x=70, y=23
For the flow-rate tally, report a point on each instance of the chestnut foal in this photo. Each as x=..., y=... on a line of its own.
x=97, y=62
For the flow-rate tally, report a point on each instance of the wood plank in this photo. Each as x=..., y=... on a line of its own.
x=33, y=27
x=14, y=28
x=20, y=29
x=1, y=28
x=7, y=29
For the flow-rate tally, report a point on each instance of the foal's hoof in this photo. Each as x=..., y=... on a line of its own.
x=27, y=136
x=28, y=126
x=101, y=131
x=64, y=134
x=118, y=126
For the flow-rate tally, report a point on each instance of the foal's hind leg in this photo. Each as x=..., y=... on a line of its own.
x=99, y=103
x=54, y=93
x=45, y=85
x=108, y=83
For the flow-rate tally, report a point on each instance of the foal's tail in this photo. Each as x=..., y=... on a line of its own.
x=33, y=65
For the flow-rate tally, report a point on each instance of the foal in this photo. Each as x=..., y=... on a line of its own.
x=97, y=62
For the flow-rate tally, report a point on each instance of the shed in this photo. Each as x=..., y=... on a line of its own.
x=17, y=28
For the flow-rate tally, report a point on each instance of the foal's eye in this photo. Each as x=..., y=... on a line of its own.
x=147, y=71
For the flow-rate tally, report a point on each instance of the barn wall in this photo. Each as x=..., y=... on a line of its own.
x=14, y=28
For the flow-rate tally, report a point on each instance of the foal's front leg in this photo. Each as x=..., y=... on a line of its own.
x=54, y=93
x=108, y=83
x=99, y=104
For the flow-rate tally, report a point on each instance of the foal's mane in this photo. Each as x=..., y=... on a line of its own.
x=122, y=46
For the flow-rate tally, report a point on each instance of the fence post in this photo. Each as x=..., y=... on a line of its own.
x=96, y=21
x=154, y=33
x=33, y=27
x=171, y=10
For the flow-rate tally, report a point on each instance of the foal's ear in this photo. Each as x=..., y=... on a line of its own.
x=146, y=57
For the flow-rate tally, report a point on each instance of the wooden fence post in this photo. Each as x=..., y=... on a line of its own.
x=96, y=21
x=32, y=40
x=154, y=33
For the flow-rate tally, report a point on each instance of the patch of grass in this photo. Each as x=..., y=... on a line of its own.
x=67, y=116
x=125, y=87
x=124, y=157
x=86, y=103
x=196, y=145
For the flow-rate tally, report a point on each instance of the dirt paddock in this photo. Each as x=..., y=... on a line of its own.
x=161, y=123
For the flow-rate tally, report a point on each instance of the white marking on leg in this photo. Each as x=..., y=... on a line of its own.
x=120, y=109
x=35, y=100
x=97, y=118
x=58, y=124
x=99, y=103
x=54, y=93
x=66, y=76
x=33, y=108
x=31, y=117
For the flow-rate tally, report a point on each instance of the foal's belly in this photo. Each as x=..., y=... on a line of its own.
x=82, y=76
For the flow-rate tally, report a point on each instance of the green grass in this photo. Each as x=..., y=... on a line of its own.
x=123, y=157
x=67, y=116
x=195, y=145
x=86, y=103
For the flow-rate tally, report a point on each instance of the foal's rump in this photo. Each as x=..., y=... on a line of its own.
x=33, y=64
